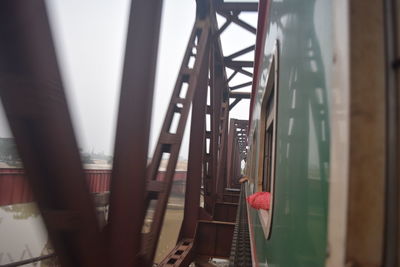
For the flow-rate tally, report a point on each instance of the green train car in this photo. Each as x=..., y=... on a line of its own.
x=324, y=134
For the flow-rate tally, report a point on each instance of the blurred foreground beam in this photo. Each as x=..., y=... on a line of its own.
x=32, y=93
x=196, y=153
x=128, y=183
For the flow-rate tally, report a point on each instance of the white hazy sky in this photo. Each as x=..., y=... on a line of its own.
x=90, y=42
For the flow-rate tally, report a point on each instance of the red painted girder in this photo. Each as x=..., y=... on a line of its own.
x=196, y=154
x=128, y=182
x=32, y=93
x=170, y=139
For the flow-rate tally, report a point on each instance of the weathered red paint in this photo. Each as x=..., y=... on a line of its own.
x=14, y=187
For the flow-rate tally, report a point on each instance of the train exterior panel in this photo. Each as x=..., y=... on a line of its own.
x=289, y=135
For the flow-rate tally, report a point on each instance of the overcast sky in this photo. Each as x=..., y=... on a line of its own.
x=90, y=42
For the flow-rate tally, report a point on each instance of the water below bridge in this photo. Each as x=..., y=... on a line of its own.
x=23, y=235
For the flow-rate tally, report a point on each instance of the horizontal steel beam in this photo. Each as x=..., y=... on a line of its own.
x=239, y=64
x=239, y=22
x=242, y=71
x=239, y=6
x=241, y=52
x=241, y=95
x=240, y=85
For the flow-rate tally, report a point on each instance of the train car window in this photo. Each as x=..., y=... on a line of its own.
x=267, y=142
x=253, y=155
x=268, y=137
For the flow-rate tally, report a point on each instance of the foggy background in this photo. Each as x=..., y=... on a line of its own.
x=90, y=44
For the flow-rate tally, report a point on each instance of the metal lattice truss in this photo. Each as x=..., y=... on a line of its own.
x=32, y=93
x=237, y=151
x=231, y=12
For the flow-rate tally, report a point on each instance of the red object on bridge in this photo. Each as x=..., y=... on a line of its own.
x=260, y=200
x=14, y=187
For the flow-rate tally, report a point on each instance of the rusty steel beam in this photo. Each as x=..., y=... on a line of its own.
x=392, y=201
x=170, y=138
x=221, y=174
x=208, y=142
x=128, y=182
x=181, y=256
x=223, y=27
x=232, y=76
x=218, y=85
x=237, y=6
x=231, y=12
x=214, y=239
x=241, y=95
x=231, y=150
x=241, y=70
x=234, y=103
x=32, y=93
x=240, y=52
x=225, y=211
x=219, y=89
x=196, y=154
x=240, y=86
x=238, y=64
x=235, y=164
x=237, y=151
x=221, y=105
x=235, y=18
x=207, y=170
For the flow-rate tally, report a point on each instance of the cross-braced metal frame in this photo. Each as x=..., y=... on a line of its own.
x=237, y=151
x=32, y=93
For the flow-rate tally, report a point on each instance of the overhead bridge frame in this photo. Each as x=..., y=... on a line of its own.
x=32, y=92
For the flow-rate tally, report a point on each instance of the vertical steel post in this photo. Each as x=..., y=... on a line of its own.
x=218, y=84
x=171, y=135
x=128, y=183
x=221, y=173
x=230, y=154
x=208, y=142
x=392, y=212
x=196, y=155
x=32, y=93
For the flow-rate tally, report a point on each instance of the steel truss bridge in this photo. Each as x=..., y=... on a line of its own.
x=33, y=96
